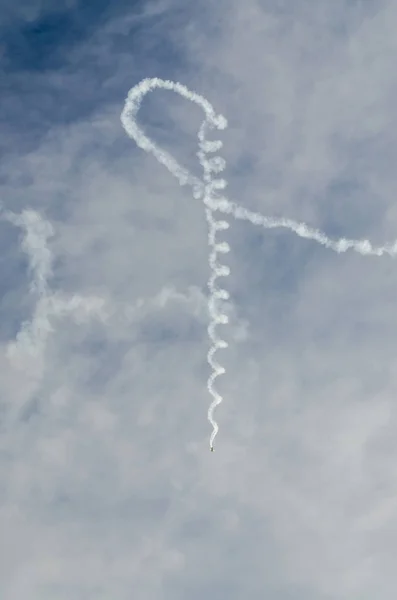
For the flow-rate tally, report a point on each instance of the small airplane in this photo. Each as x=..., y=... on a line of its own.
x=212, y=448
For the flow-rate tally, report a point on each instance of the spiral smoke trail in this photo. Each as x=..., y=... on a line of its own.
x=206, y=190
x=201, y=189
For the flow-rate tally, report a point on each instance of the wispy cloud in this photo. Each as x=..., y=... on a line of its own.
x=107, y=486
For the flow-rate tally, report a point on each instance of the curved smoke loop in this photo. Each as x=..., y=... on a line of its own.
x=207, y=190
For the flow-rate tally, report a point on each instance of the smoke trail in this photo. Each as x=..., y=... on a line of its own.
x=201, y=189
x=34, y=243
x=32, y=338
x=206, y=189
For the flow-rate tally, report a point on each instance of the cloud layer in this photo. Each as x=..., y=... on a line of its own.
x=107, y=486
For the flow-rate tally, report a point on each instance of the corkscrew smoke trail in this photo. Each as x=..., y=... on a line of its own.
x=201, y=189
x=206, y=189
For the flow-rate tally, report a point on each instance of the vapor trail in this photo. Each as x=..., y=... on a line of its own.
x=206, y=189
x=31, y=340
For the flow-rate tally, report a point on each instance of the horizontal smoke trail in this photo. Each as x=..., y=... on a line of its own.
x=206, y=190
x=363, y=247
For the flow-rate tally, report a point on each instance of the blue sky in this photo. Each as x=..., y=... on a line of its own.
x=107, y=486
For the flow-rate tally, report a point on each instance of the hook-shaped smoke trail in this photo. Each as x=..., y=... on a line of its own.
x=206, y=189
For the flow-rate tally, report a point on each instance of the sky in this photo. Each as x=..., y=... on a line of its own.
x=108, y=490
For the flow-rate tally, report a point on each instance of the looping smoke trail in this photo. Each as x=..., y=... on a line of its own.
x=201, y=189
x=206, y=189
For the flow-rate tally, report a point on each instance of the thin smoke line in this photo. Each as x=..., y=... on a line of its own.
x=207, y=190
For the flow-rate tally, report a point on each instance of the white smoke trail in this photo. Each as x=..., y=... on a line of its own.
x=206, y=189
x=34, y=243
x=32, y=336
x=29, y=347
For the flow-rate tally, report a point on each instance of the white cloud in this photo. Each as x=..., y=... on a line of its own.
x=108, y=488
